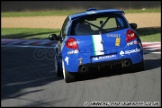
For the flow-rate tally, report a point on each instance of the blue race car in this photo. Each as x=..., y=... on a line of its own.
x=96, y=39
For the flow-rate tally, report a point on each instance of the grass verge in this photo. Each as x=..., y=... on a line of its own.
x=151, y=34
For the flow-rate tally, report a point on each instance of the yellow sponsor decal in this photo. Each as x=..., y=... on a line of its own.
x=117, y=43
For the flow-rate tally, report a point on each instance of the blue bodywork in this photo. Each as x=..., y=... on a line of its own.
x=114, y=45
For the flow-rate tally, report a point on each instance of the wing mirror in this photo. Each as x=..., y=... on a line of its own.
x=133, y=25
x=53, y=37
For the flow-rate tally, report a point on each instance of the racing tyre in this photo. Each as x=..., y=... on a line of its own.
x=57, y=70
x=68, y=77
x=139, y=66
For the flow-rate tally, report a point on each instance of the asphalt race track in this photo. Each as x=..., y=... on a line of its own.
x=28, y=79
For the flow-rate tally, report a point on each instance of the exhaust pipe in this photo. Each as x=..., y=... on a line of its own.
x=83, y=69
x=126, y=63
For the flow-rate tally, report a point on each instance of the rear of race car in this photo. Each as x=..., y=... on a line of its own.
x=101, y=40
x=121, y=48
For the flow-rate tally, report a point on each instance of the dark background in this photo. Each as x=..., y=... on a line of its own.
x=63, y=5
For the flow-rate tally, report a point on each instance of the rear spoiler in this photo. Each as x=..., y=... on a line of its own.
x=95, y=12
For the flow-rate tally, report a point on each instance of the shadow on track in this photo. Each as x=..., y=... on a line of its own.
x=20, y=72
x=148, y=31
x=151, y=64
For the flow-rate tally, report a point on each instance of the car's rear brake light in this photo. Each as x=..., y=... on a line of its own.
x=71, y=43
x=131, y=35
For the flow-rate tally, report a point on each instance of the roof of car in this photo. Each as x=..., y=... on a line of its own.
x=94, y=11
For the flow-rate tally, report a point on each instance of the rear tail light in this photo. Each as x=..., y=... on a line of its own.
x=71, y=43
x=131, y=35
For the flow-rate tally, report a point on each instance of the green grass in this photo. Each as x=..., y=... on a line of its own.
x=68, y=12
x=153, y=10
x=39, y=13
x=146, y=34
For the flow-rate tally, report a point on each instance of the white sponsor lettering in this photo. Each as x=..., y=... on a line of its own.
x=129, y=51
x=135, y=42
x=73, y=52
x=95, y=58
x=132, y=43
x=104, y=57
x=113, y=35
x=132, y=51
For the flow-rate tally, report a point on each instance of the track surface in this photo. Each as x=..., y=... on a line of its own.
x=28, y=80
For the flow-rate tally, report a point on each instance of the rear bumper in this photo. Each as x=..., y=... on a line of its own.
x=133, y=54
x=73, y=65
x=123, y=63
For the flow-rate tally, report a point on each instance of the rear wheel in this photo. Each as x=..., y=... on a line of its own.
x=139, y=66
x=68, y=77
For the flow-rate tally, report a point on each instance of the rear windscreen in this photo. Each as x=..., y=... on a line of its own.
x=96, y=24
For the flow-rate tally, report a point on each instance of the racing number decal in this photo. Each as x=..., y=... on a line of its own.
x=117, y=43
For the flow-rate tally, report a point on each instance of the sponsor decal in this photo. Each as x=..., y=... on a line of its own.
x=121, y=53
x=103, y=57
x=135, y=42
x=67, y=60
x=132, y=51
x=117, y=43
x=72, y=52
x=113, y=35
x=80, y=61
x=97, y=45
x=129, y=51
x=132, y=43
